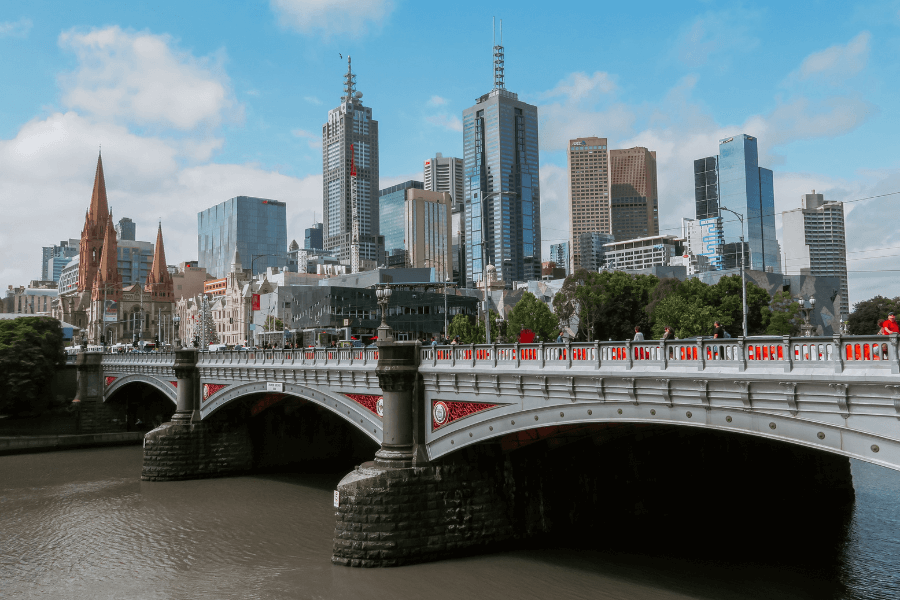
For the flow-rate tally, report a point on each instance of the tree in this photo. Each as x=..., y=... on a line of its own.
x=867, y=315
x=471, y=330
x=783, y=315
x=31, y=349
x=531, y=313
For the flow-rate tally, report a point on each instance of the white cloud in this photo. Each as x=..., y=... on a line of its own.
x=450, y=122
x=141, y=79
x=313, y=141
x=837, y=62
x=437, y=101
x=581, y=86
x=15, y=29
x=710, y=37
x=312, y=100
x=328, y=17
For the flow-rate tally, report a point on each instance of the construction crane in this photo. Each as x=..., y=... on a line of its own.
x=354, y=215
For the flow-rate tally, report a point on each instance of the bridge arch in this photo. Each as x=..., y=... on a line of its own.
x=502, y=420
x=350, y=411
x=117, y=383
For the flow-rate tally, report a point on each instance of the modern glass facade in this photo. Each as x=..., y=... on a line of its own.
x=634, y=198
x=125, y=229
x=66, y=250
x=312, y=237
x=559, y=253
x=134, y=261
x=706, y=187
x=255, y=226
x=749, y=190
x=502, y=189
x=392, y=215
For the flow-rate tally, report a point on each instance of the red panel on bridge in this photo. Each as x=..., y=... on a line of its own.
x=109, y=380
x=211, y=388
x=373, y=403
x=444, y=412
x=174, y=383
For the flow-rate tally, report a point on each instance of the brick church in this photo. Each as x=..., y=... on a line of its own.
x=100, y=305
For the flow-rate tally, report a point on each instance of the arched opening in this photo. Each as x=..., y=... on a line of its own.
x=138, y=406
x=671, y=492
x=290, y=433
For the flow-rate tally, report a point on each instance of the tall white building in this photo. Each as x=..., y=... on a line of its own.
x=705, y=237
x=350, y=124
x=815, y=243
x=445, y=174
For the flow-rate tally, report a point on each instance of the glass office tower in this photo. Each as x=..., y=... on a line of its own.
x=746, y=188
x=706, y=187
x=255, y=226
x=502, y=188
x=392, y=214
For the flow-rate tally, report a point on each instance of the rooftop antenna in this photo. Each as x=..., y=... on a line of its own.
x=499, y=83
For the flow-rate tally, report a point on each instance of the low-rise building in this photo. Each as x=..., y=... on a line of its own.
x=642, y=253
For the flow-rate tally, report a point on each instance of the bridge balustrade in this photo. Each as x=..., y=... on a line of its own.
x=291, y=357
x=844, y=352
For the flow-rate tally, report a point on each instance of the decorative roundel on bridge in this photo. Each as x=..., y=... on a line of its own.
x=440, y=412
x=379, y=407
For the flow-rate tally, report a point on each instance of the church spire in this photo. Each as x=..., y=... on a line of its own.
x=108, y=279
x=99, y=209
x=159, y=281
x=94, y=232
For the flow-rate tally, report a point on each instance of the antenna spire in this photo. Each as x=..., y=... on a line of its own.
x=349, y=82
x=499, y=83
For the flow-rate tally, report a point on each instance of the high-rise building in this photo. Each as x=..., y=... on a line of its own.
x=350, y=144
x=392, y=219
x=559, y=254
x=593, y=249
x=257, y=227
x=589, y=193
x=125, y=229
x=502, y=184
x=705, y=237
x=54, y=258
x=312, y=237
x=458, y=242
x=634, y=199
x=747, y=189
x=706, y=187
x=815, y=242
x=445, y=174
x=428, y=231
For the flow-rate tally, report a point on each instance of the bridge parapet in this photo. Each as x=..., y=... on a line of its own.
x=864, y=355
x=300, y=357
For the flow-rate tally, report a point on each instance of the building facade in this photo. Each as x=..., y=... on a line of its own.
x=815, y=242
x=428, y=231
x=392, y=216
x=502, y=184
x=559, y=254
x=746, y=188
x=257, y=227
x=643, y=253
x=350, y=144
x=54, y=258
x=634, y=198
x=706, y=187
x=589, y=192
x=593, y=245
x=705, y=237
x=312, y=237
x=445, y=174
x=126, y=230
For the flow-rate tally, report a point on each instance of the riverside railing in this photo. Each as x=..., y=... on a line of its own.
x=839, y=352
x=299, y=357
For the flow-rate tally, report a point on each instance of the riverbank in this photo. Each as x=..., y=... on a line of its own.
x=51, y=443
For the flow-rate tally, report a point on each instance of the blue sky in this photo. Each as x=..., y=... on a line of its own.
x=195, y=103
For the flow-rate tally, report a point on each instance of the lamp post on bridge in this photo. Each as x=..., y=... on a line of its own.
x=806, y=308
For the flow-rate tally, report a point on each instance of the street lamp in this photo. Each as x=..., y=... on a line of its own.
x=487, y=321
x=383, y=293
x=806, y=308
x=176, y=321
x=743, y=274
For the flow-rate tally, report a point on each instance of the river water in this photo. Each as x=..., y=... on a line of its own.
x=80, y=524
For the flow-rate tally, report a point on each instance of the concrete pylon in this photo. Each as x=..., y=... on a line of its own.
x=397, y=371
x=187, y=397
x=90, y=391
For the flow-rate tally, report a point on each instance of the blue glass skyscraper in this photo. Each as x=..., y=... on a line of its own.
x=255, y=226
x=746, y=188
x=502, y=189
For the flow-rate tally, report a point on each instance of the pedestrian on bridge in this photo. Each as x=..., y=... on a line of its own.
x=889, y=325
x=638, y=336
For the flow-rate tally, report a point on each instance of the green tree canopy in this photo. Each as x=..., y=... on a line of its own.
x=531, y=313
x=31, y=349
x=867, y=315
x=471, y=329
x=783, y=316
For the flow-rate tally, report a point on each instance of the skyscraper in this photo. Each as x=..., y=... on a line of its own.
x=312, y=237
x=125, y=229
x=445, y=174
x=559, y=253
x=502, y=187
x=634, y=199
x=428, y=231
x=706, y=187
x=815, y=243
x=746, y=188
x=257, y=227
x=392, y=219
x=350, y=125
x=589, y=193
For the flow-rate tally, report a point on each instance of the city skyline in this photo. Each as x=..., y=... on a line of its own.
x=822, y=120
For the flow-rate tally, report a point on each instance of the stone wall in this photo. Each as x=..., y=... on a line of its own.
x=618, y=485
x=177, y=451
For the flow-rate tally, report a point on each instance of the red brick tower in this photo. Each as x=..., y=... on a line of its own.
x=94, y=233
x=159, y=280
x=107, y=280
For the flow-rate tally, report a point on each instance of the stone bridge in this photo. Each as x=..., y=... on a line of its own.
x=447, y=419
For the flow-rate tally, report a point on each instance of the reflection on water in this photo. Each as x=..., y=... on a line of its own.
x=80, y=524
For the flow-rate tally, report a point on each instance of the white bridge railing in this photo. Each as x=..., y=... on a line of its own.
x=298, y=357
x=847, y=352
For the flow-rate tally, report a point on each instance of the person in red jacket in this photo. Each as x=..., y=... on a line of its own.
x=890, y=325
